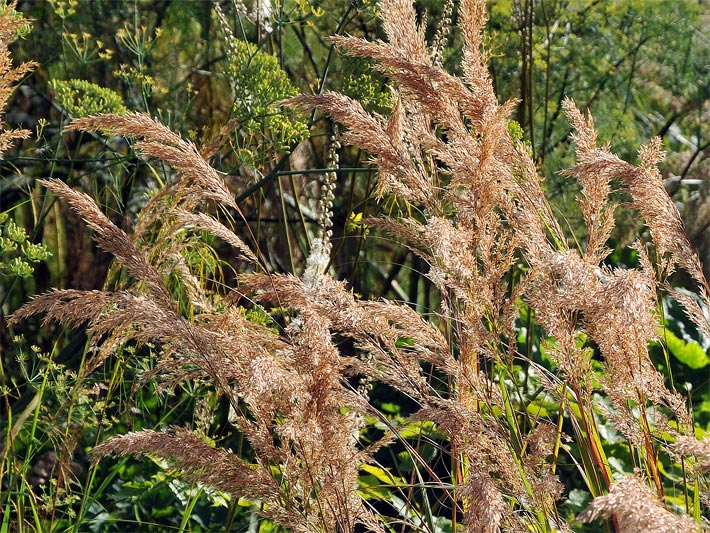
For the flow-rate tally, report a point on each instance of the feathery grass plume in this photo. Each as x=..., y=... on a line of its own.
x=289, y=395
x=490, y=184
x=470, y=254
x=595, y=178
x=597, y=166
x=294, y=398
x=695, y=308
x=621, y=316
x=69, y=307
x=691, y=447
x=376, y=327
x=475, y=212
x=197, y=180
x=616, y=309
x=112, y=239
x=660, y=213
x=319, y=414
x=387, y=153
x=197, y=460
x=575, y=298
x=166, y=213
x=12, y=24
x=637, y=509
x=202, y=221
x=493, y=188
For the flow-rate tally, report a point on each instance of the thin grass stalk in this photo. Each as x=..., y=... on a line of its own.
x=5, y=525
x=187, y=512
x=516, y=451
x=29, y=454
x=592, y=439
x=560, y=422
x=650, y=458
x=285, y=227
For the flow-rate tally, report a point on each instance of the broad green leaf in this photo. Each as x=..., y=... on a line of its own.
x=382, y=475
x=690, y=354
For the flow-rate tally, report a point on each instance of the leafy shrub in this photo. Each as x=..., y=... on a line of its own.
x=80, y=98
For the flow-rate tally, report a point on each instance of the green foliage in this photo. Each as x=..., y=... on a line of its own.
x=690, y=353
x=259, y=84
x=81, y=98
x=17, y=253
x=369, y=89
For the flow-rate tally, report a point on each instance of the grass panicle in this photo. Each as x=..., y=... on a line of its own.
x=469, y=201
x=10, y=28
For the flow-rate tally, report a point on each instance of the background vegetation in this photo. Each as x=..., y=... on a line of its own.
x=214, y=73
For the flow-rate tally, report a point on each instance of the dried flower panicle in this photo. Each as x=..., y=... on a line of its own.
x=289, y=395
x=688, y=446
x=494, y=190
x=10, y=26
x=637, y=509
x=481, y=221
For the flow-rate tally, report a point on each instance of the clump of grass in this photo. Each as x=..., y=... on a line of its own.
x=476, y=213
x=12, y=26
x=287, y=389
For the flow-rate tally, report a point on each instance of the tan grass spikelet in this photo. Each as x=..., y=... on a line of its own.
x=473, y=18
x=660, y=213
x=9, y=76
x=198, y=461
x=620, y=305
x=292, y=388
x=400, y=25
x=166, y=213
x=112, y=239
x=597, y=166
x=637, y=509
x=692, y=308
x=376, y=327
x=494, y=188
x=594, y=171
x=70, y=307
x=325, y=466
x=121, y=312
x=388, y=152
x=688, y=446
x=197, y=180
x=202, y=221
x=419, y=82
x=617, y=309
